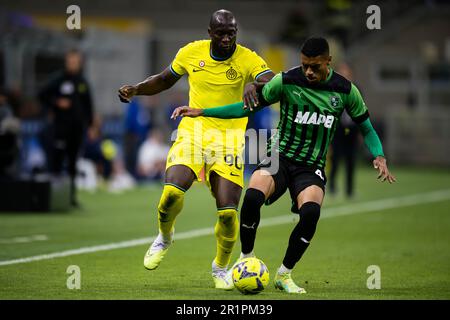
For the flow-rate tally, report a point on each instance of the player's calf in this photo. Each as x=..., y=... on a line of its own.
x=170, y=205
x=302, y=233
x=226, y=231
x=250, y=218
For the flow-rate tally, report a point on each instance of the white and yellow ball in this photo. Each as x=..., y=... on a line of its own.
x=250, y=276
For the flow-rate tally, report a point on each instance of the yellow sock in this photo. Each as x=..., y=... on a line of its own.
x=169, y=207
x=226, y=231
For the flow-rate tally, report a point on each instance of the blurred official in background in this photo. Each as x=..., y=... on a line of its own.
x=9, y=134
x=68, y=101
x=345, y=145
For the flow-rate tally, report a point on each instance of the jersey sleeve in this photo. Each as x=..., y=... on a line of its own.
x=257, y=66
x=272, y=90
x=355, y=106
x=179, y=63
x=230, y=111
x=371, y=138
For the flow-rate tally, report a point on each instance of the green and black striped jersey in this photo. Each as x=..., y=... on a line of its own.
x=309, y=113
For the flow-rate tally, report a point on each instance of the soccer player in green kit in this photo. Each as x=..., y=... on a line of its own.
x=312, y=98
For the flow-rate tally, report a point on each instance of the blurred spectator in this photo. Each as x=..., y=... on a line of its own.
x=338, y=19
x=68, y=100
x=86, y=178
x=15, y=100
x=177, y=99
x=9, y=131
x=138, y=122
x=296, y=28
x=344, y=145
x=152, y=156
x=99, y=150
x=121, y=179
x=33, y=155
x=104, y=158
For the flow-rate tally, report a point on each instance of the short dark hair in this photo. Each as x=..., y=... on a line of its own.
x=315, y=46
x=221, y=16
x=74, y=51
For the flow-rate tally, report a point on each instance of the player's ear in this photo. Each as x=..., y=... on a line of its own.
x=329, y=60
x=209, y=31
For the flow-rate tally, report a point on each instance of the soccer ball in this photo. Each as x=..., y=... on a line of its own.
x=250, y=276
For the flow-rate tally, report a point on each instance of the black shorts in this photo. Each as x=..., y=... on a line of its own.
x=293, y=176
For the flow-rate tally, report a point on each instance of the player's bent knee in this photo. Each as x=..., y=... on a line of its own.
x=254, y=197
x=227, y=216
x=310, y=212
x=227, y=228
x=251, y=206
x=171, y=197
x=253, y=200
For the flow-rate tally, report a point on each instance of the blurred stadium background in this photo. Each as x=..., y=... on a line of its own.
x=403, y=71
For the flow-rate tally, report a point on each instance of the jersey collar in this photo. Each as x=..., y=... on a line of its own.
x=330, y=74
x=218, y=58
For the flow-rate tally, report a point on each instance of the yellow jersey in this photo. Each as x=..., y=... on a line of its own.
x=214, y=82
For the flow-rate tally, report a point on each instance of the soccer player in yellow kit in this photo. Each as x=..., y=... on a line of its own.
x=218, y=70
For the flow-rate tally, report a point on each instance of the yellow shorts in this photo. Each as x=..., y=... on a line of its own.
x=226, y=159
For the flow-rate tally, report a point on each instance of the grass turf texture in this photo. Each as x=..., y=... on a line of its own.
x=410, y=244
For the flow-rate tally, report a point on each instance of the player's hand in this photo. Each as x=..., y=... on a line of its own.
x=250, y=97
x=186, y=111
x=126, y=93
x=383, y=171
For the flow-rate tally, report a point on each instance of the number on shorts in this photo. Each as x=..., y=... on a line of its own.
x=230, y=160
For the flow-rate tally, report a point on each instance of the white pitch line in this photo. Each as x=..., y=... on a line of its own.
x=376, y=205
x=369, y=206
x=24, y=239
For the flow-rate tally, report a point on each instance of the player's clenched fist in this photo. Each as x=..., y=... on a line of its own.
x=126, y=93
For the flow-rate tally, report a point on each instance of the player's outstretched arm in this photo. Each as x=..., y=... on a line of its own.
x=229, y=111
x=150, y=86
x=186, y=111
x=375, y=147
x=250, y=98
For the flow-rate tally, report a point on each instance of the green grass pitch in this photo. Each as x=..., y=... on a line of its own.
x=408, y=239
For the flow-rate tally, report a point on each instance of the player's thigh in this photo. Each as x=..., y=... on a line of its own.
x=226, y=192
x=224, y=173
x=263, y=181
x=273, y=183
x=184, y=163
x=312, y=193
x=307, y=184
x=181, y=176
